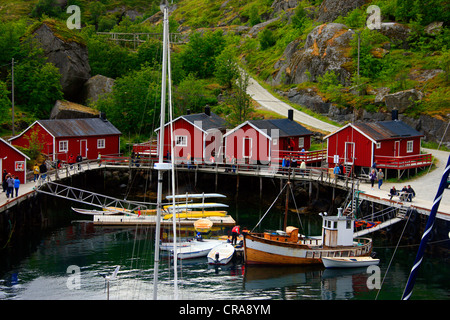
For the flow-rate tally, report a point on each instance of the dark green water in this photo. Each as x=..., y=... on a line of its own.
x=45, y=272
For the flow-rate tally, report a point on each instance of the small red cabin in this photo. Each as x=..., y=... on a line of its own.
x=264, y=141
x=197, y=135
x=13, y=161
x=60, y=138
x=390, y=144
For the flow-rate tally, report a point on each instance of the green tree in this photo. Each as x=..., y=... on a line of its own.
x=189, y=95
x=226, y=68
x=5, y=103
x=200, y=53
x=134, y=101
x=240, y=102
x=36, y=81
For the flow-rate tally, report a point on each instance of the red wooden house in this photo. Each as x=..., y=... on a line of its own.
x=265, y=141
x=62, y=137
x=13, y=161
x=390, y=144
x=198, y=135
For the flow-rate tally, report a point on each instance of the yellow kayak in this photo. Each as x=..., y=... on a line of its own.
x=196, y=214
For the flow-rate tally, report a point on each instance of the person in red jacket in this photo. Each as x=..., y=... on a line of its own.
x=235, y=233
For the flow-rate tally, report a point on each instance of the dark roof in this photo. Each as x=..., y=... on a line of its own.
x=384, y=130
x=79, y=127
x=208, y=122
x=286, y=127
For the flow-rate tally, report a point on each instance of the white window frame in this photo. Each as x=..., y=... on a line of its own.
x=63, y=146
x=409, y=146
x=101, y=143
x=181, y=141
x=275, y=142
x=378, y=145
x=301, y=142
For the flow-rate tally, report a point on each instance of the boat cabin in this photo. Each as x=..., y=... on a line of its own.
x=290, y=235
x=337, y=231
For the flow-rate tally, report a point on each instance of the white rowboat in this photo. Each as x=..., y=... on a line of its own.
x=349, y=262
x=197, y=249
x=222, y=254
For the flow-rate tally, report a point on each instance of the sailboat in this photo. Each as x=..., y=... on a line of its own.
x=287, y=247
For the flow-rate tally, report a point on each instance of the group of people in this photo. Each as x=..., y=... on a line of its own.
x=292, y=163
x=408, y=192
x=10, y=183
x=339, y=170
x=72, y=160
x=376, y=175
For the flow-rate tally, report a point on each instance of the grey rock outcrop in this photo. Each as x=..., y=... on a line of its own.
x=329, y=10
x=70, y=57
x=402, y=99
x=95, y=87
x=327, y=48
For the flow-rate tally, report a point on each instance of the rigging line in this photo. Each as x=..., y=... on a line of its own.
x=269, y=208
x=393, y=254
x=296, y=209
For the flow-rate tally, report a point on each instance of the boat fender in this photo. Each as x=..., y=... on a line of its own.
x=217, y=256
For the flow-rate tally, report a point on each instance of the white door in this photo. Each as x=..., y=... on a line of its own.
x=349, y=152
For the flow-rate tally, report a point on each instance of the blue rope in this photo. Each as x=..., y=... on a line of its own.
x=428, y=228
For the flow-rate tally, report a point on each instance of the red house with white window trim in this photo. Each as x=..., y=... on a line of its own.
x=198, y=135
x=264, y=141
x=62, y=137
x=13, y=161
x=390, y=144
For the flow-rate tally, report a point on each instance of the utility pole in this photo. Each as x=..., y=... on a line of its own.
x=12, y=95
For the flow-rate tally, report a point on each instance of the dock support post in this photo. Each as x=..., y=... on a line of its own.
x=237, y=184
x=310, y=190
x=260, y=188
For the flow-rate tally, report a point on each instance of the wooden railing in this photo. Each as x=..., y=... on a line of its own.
x=405, y=162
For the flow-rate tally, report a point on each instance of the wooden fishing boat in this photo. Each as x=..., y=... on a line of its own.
x=221, y=255
x=349, y=262
x=287, y=248
x=203, y=225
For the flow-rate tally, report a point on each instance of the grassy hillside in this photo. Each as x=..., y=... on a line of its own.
x=228, y=36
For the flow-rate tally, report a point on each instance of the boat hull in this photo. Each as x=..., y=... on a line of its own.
x=258, y=250
x=221, y=255
x=351, y=262
x=197, y=249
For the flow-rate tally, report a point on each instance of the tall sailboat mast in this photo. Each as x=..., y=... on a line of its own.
x=160, y=166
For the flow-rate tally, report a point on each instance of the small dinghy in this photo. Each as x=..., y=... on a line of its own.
x=222, y=254
x=203, y=225
x=197, y=249
x=349, y=262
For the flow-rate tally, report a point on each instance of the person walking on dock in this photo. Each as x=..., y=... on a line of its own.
x=234, y=234
x=4, y=177
x=16, y=185
x=9, y=186
x=372, y=176
x=36, y=172
x=380, y=176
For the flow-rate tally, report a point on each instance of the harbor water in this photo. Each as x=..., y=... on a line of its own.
x=69, y=262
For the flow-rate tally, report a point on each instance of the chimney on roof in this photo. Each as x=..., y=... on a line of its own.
x=188, y=111
x=394, y=114
x=208, y=111
x=291, y=114
x=102, y=115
